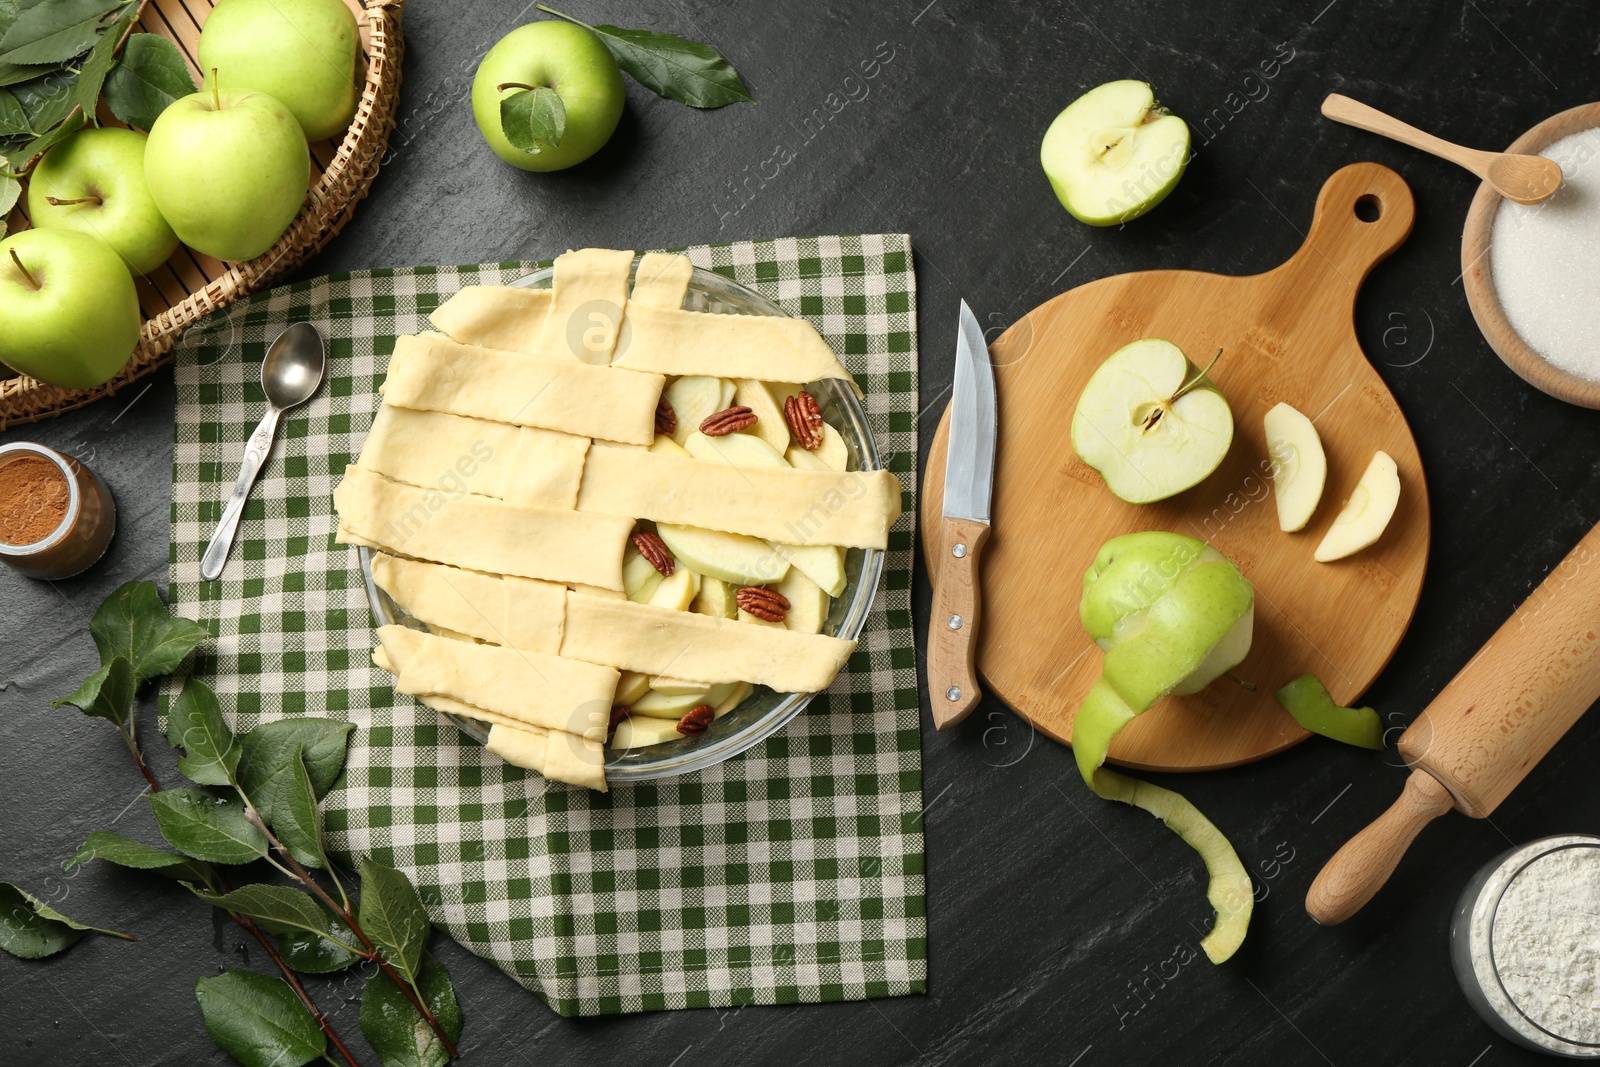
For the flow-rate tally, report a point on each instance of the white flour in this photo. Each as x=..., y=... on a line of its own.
x=1543, y=260
x=1546, y=943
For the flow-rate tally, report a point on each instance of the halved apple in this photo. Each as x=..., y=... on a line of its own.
x=1150, y=422
x=733, y=558
x=1366, y=514
x=1114, y=153
x=1299, y=466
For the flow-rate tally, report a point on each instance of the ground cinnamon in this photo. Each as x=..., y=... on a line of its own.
x=33, y=500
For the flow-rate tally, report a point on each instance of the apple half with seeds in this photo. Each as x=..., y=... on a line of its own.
x=1114, y=153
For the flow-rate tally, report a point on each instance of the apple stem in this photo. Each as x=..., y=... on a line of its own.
x=1248, y=686
x=559, y=15
x=53, y=202
x=503, y=86
x=216, y=94
x=1197, y=379
x=18, y=261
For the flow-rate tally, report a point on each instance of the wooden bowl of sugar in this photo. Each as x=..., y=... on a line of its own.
x=1532, y=271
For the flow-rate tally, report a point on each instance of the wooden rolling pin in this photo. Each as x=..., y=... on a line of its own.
x=1484, y=732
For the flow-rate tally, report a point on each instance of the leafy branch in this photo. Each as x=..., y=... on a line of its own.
x=256, y=797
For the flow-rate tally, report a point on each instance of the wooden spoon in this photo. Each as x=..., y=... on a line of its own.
x=1524, y=179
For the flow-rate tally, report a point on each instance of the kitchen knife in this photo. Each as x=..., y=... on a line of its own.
x=1486, y=730
x=968, y=485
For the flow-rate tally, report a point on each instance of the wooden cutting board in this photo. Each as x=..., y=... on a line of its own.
x=1286, y=335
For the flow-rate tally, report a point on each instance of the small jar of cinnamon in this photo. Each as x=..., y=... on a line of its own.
x=56, y=515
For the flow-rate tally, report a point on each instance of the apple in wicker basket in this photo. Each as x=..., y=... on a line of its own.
x=94, y=182
x=229, y=169
x=304, y=53
x=70, y=313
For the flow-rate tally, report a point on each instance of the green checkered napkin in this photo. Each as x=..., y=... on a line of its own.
x=791, y=873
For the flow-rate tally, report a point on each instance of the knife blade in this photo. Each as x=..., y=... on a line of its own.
x=964, y=528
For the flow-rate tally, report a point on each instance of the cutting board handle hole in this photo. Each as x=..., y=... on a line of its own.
x=1369, y=208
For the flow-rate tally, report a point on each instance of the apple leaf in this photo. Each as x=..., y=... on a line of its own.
x=399, y=1035
x=151, y=76
x=323, y=952
x=392, y=915
x=13, y=120
x=266, y=749
x=10, y=190
x=133, y=623
x=31, y=929
x=259, y=1021
x=207, y=827
x=678, y=69
x=534, y=119
x=53, y=31
x=195, y=724
x=125, y=852
x=106, y=694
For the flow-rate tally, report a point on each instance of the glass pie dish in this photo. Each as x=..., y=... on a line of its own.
x=765, y=711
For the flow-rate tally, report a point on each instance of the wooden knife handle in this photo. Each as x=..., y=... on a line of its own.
x=953, y=630
x=1358, y=870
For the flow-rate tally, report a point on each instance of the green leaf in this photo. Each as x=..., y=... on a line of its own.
x=295, y=818
x=195, y=724
x=392, y=915
x=10, y=190
x=322, y=742
x=320, y=953
x=151, y=76
x=534, y=119
x=124, y=852
x=53, y=31
x=31, y=929
x=13, y=120
x=135, y=624
x=678, y=69
x=258, y=1020
x=397, y=1031
x=277, y=909
x=207, y=827
x=106, y=694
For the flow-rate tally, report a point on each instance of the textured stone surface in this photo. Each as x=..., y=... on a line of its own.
x=1047, y=908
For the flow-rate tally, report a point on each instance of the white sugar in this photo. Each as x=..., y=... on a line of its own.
x=1545, y=259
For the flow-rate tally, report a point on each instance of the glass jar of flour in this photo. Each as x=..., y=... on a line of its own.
x=1525, y=942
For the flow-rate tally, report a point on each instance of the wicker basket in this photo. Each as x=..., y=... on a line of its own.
x=190, y=286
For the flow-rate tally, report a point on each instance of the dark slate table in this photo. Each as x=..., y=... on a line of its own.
x=1052, y=916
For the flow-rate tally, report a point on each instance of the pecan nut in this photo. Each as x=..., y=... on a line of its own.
x=652, y=548
x=728, y=420
x=763, y=603
x=619, y=715
x=697, y=721
x=666, y=418
x=804, y=417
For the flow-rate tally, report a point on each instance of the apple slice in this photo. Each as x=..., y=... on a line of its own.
x=676, y=686
x=693, y=397
x=1366, y=514
x=741, y=690
x=831, y=455
x=1299, y=466
x=1114, y=153
x=734, y=558
x=766, y=400
x=1150, y=422
x=669, y=705
x=756, y=620
x=808, y=603
x=630, y=687
x=677, y=590
x=741, y=450
x=639, y=576
x=668, y=447
x=716, y=599
x=642, y=731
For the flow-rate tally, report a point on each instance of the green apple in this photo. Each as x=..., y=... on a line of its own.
x=1172, y=615
x=1114, y=153
x=1150, y=422
x=1366, y=514
x=554, y=55
x=1299, y=465
x=229, y=169
x=69, y=311
x=1309, y=702
x=304, y=53
x=94, y=182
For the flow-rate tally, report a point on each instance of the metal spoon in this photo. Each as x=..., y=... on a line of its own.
x=1524, y=179
x=290, y=376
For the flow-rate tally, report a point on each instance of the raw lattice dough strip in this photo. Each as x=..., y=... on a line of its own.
x=481, y=534
x=773, y=349
x=519, y=612
x=528, y=390
x=662, y=280
x=530, y=687
x=506, y=317
x=435, y=450
x=795, y=507
x=572, y=759
x=699, y=648
x=591, y=288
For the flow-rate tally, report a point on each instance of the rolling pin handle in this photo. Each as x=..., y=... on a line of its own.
x=1358, y=870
